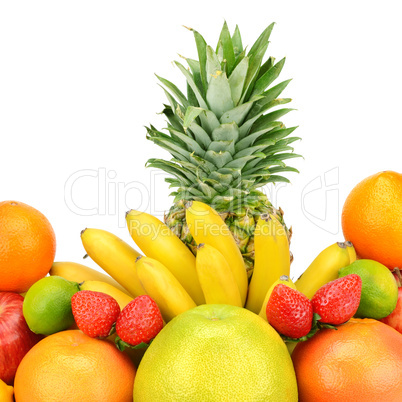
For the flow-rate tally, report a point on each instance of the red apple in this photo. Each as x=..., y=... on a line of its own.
x=15, y=336
x=394, y=320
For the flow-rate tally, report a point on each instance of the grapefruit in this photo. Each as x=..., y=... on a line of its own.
x=216, y=352
x=360, y=361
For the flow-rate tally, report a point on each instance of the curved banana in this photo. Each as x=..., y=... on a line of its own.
x=115, y=256
x=75, y=272
x=323, y=269
x=284, y=280
x=6, y=392
x=271, y=261
x=98, y=286
x=157, y=241
x=216, y=277
x=206, y=226
x=351, y=251
x=161, y=285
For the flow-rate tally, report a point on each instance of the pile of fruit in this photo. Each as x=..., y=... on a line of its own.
x=207, y=310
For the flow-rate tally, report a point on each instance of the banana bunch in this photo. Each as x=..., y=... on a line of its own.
x=177, y=280
x=169, y=272
x=173, y=276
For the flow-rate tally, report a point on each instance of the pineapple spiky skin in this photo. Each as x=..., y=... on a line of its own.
x=224, y=138
x=241, y=225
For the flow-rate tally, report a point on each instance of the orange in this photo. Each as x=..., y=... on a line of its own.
x=361, y=361
x=71, y=366
x=371, y=218
x=27, y=246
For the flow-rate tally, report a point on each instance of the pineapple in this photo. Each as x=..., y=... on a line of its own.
x=224, y=140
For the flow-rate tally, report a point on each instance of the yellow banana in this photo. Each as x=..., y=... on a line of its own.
x=216, y=277
x=157, y=241
x=75, y=272
x=97, y=286
x=115, y=256
x=161, y=285
x=284, y=280
x=6, y=392
x=271, y=261
x=351, y=251
x=206, y=226
x=323, y=269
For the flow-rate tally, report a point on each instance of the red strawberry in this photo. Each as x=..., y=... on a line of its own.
x=289, y=312
x=338, y=300
x=140, y=321
x=94, y=312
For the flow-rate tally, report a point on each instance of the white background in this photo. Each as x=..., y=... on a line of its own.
x=77, y=87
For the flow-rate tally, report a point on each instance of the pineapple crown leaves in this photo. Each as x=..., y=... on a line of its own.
x=224, y=135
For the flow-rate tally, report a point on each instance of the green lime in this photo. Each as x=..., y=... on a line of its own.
x=379, y=288
x=47, y=305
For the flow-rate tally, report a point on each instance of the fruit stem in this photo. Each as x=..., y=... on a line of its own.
x=398, y=276
x=265, y=217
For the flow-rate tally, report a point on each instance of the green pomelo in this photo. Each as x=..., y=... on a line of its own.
x=216, y=353
x=379, y=289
